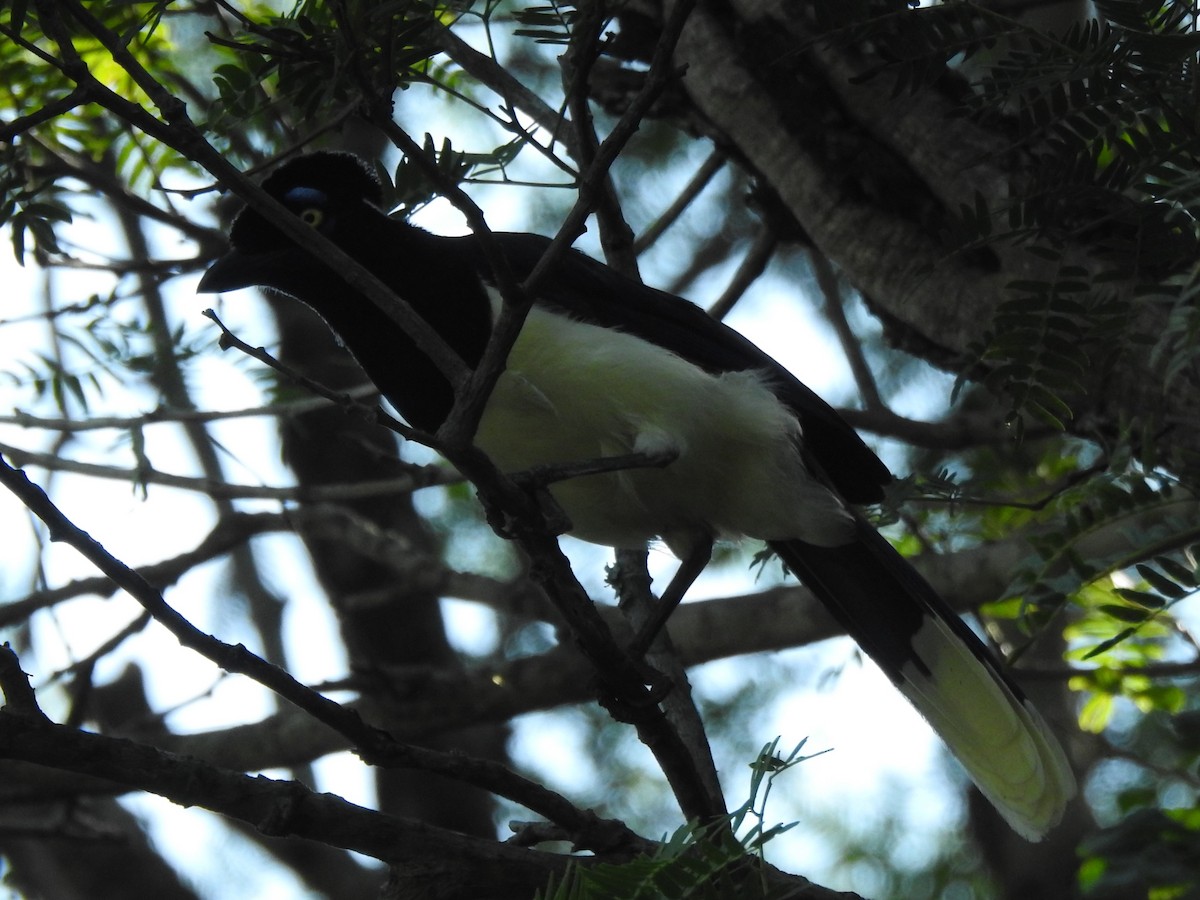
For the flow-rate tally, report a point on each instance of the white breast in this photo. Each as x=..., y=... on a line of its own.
x=574, y=391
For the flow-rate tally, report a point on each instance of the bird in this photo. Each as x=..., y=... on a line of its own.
x=605, y=366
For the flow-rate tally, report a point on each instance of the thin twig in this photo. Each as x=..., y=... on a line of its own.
x=487, y=71
x=712, y=164
x=753, y=265
x=550, y=473
x=835, y=312
x=334, y=521
x=616, y=236
x=660, y=74
x=45, y=113
x=166, y=415
x=1188, y=669
x=471, y=392
x=371, y=413
x=144, y=475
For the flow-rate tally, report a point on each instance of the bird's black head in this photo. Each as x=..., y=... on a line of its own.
x=329, y=191
x=339, y=196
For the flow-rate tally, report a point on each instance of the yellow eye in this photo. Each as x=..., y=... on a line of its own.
x=312, y=216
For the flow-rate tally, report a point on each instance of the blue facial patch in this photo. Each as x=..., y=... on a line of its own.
x=300, y=197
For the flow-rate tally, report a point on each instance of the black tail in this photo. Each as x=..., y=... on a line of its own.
x=945, y=671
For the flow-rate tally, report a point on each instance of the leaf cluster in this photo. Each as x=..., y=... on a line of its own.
x=31, y=209
x=1048, y=336
x=1109, y=202
x=698, y=860
x=1098, y=123
x=1151, y=853
x=96, y=348
x=1121, y=601
x=550, y=24
x=411, y=186
x=320, y=57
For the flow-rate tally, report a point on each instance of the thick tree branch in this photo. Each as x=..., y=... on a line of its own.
x=438, y=863
x=873, y=190
x=427, y=862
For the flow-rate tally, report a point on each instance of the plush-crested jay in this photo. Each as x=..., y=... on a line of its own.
x=605, y=366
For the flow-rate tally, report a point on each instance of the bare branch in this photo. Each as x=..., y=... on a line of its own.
x=712, y=164
x=422, y=476
x=374, y=745
x=162, y=414
x=461, y=865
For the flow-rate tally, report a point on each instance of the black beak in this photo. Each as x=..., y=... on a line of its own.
x=237, y=270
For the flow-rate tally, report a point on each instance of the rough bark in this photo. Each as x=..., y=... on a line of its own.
x=874, y=180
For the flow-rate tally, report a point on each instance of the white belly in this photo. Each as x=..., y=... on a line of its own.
x=575, y=392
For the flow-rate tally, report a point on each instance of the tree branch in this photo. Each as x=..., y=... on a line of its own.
x=372, y=744
x=146, y=474
x=447, y=864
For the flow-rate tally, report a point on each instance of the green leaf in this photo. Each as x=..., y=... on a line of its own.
x=1161, y=583
x=1096, y=713
x=1141, y=598
x=1126, y=613
x=1181, y=574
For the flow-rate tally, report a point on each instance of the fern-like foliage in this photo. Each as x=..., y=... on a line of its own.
x=549, y=24
x=697, y=861
x=1099, y=120
x=1121, y=592
x=1099, y=112
x=1047, y=336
